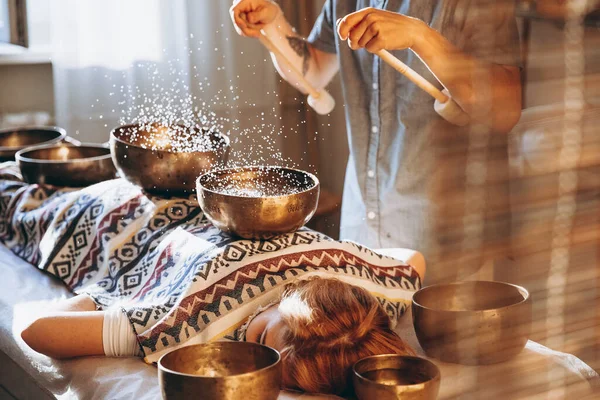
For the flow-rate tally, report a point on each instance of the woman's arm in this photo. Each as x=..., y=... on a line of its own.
x=66, y=334
x=488, y=92
x=251, y=16
x=75, y=329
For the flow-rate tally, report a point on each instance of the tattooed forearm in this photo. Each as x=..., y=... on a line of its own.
x=300, y=46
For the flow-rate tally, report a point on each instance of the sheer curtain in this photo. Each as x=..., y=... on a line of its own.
x=115, y=60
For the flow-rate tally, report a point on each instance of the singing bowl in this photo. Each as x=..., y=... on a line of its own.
x=286, y=200
x=472, y=323
x=13, y=140
x=393, y=376
x=159, y=167
x=221, y=371
x=66, y=165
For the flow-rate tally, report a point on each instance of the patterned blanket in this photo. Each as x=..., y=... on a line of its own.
x=179, y=279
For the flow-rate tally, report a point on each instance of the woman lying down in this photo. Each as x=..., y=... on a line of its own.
x=321, y=326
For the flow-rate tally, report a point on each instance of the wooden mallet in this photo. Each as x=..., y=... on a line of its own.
x=444, y=105
x=318, y=99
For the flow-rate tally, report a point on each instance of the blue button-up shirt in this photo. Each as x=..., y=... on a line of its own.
x=391, y=123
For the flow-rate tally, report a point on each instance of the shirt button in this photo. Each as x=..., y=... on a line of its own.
x=375, y=86
x=371, y=173
x=371, y=215
x=374, y=129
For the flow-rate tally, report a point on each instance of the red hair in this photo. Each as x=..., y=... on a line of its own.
x=331, y=325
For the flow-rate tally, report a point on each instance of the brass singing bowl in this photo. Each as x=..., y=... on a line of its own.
x=472, y=323
x=289, y=200
x=145, y=160
x=393, y=376
x=221, y=371
x=13, y=140
x=66, y=165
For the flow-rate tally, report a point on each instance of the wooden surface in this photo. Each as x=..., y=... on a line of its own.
x=328, y=203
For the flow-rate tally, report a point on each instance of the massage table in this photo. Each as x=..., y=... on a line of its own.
x=537, y=373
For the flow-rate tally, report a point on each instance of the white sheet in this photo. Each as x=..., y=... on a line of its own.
x=537, y=373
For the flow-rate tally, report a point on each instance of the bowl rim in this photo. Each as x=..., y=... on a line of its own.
x=199, y=185
x=20, y=155
x=161, y=367
x=521, y=289
x=358, y=375
x=62, y=133
x=113, y=136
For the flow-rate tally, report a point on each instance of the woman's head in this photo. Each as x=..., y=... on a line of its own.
x=322, y=327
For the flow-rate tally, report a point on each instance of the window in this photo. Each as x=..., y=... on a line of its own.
x=13, y=22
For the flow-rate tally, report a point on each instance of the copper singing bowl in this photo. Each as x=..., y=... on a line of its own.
x=13, y=140
x=258, y=202
x=145, y=159
x=472, y=323
x=221, y=371
x=66, y=165
x=392, y=377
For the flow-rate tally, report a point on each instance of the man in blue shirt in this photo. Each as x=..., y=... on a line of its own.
x=402, y=154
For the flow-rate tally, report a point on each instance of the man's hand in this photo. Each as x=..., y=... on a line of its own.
x=460, y=73
x=250, y=16
x=376, y=30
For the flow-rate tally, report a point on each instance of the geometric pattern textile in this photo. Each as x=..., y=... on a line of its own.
x=180, y=280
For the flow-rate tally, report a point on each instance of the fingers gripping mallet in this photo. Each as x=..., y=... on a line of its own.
x=318, y=99
x=444, y=105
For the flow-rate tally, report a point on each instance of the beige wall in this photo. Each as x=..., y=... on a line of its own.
x=25, y=88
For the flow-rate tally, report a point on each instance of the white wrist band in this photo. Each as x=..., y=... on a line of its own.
x=118, y=337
